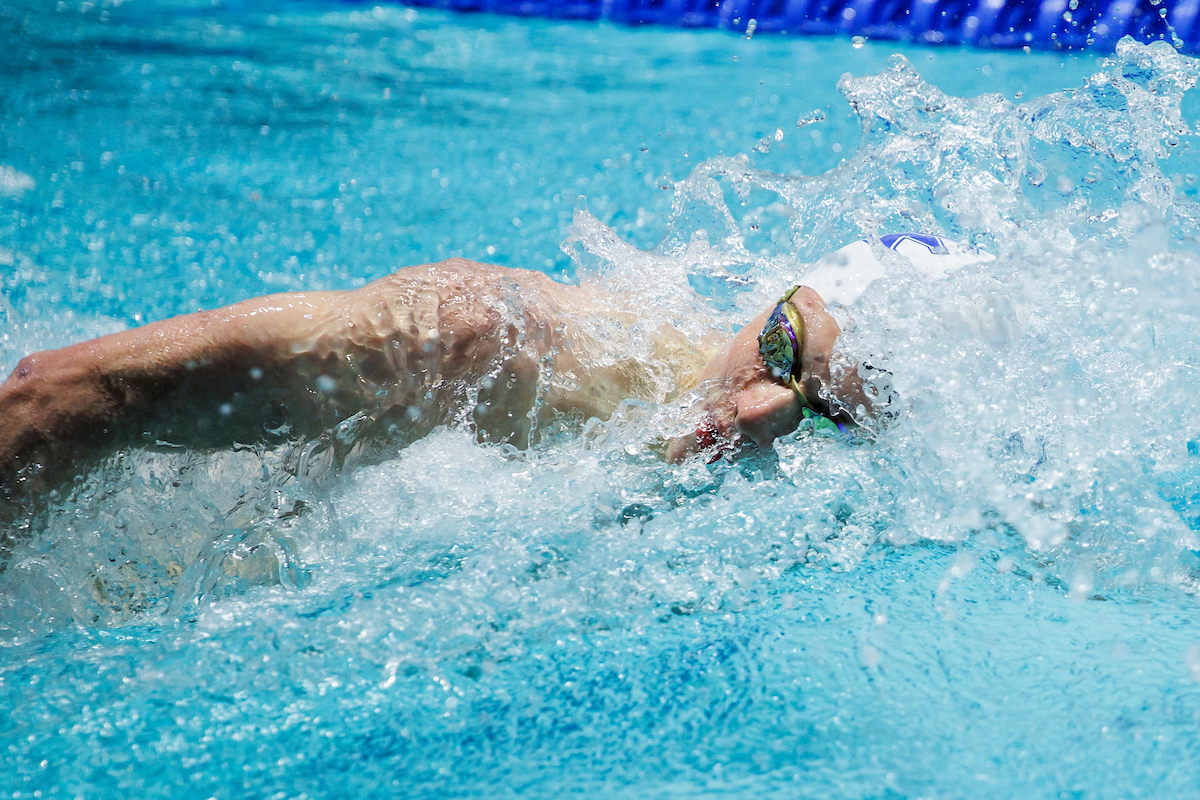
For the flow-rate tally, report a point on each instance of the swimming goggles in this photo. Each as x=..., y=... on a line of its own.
x=781, y=343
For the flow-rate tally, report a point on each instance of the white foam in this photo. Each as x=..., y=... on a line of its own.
x=14, y=183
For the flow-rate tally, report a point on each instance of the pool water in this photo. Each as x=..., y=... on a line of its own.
x=996, y=597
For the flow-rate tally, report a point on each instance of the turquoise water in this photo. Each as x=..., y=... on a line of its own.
x=996, y=598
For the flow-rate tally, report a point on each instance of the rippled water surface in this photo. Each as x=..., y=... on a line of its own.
x=996, y=597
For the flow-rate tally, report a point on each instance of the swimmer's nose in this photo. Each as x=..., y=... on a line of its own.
x=765, y=412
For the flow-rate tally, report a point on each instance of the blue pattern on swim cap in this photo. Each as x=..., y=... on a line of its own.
x=933, y=244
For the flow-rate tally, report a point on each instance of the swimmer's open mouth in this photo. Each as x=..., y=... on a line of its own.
x=709, y=440
x=707, y=434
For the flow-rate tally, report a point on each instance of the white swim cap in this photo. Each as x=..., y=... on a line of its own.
x=843, y=275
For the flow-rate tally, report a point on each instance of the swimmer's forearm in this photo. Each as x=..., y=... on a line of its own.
x=406, y=339
x=298, y=340
x=55, y=394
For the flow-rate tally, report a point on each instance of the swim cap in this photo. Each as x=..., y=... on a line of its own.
x=843, y=275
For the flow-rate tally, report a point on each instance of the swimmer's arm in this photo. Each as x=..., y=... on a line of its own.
x=304, y=343
x=58, y=394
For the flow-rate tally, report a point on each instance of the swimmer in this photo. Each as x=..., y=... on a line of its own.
x=501, y=349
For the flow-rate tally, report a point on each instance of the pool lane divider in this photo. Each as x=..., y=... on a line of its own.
x=1070, y=25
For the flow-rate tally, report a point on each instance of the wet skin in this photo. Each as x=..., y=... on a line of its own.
x=414, y=341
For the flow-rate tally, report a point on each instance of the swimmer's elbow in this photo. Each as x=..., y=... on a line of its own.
x=24, y=371
x=19, y=427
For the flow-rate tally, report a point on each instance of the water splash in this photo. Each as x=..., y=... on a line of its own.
x=14, y=183
x=1048, y=394
x=439, y=614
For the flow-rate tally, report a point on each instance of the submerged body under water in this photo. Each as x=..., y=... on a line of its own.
x=994, y=597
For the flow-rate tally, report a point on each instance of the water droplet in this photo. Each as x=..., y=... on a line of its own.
x=858, y=41
x=816, y=116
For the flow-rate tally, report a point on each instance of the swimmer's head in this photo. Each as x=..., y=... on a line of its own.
x=742, y=398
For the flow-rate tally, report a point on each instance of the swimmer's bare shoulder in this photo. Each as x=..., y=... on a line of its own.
x=403, y=336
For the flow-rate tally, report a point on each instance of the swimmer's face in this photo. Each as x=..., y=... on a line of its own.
x=741, y=397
